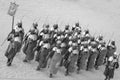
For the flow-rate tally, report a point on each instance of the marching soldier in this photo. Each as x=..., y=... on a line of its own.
x=57, y=39
x=68, y=52
x=101, y=56
x=15, y=38
x=111, y=48
x=64, y=48
x=72, y=59
x=111, y=65
x=93, y=55
x=43, y=36
x=45, y=49
x=30, y=43
x=83, y=56
x=57, y=57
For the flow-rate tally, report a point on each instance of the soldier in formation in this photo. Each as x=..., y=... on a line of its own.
x=15, y=38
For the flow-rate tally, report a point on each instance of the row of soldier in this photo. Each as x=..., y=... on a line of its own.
x=72, y=48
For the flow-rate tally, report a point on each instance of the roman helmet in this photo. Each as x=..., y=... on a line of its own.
x=77, y=24
x=35, y=25
x=19, y=24
x=55, y=26
x=67, y=27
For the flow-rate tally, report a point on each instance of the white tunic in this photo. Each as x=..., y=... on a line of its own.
x=17, y=29
x=33, y=37
x=18, y=39
x=46, y=45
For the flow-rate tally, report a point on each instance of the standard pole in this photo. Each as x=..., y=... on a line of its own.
x=13, y=22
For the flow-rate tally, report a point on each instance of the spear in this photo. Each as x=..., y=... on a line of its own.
x=111, y=37
x=22, y=17
x=57, y=20
x=3, y=42
x=39, y=19
x=34, y=19
x=46, y=19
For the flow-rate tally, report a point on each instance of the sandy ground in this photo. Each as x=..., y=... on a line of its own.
x=100, y=16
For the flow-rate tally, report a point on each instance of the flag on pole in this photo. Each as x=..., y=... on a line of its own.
x=12, y=9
